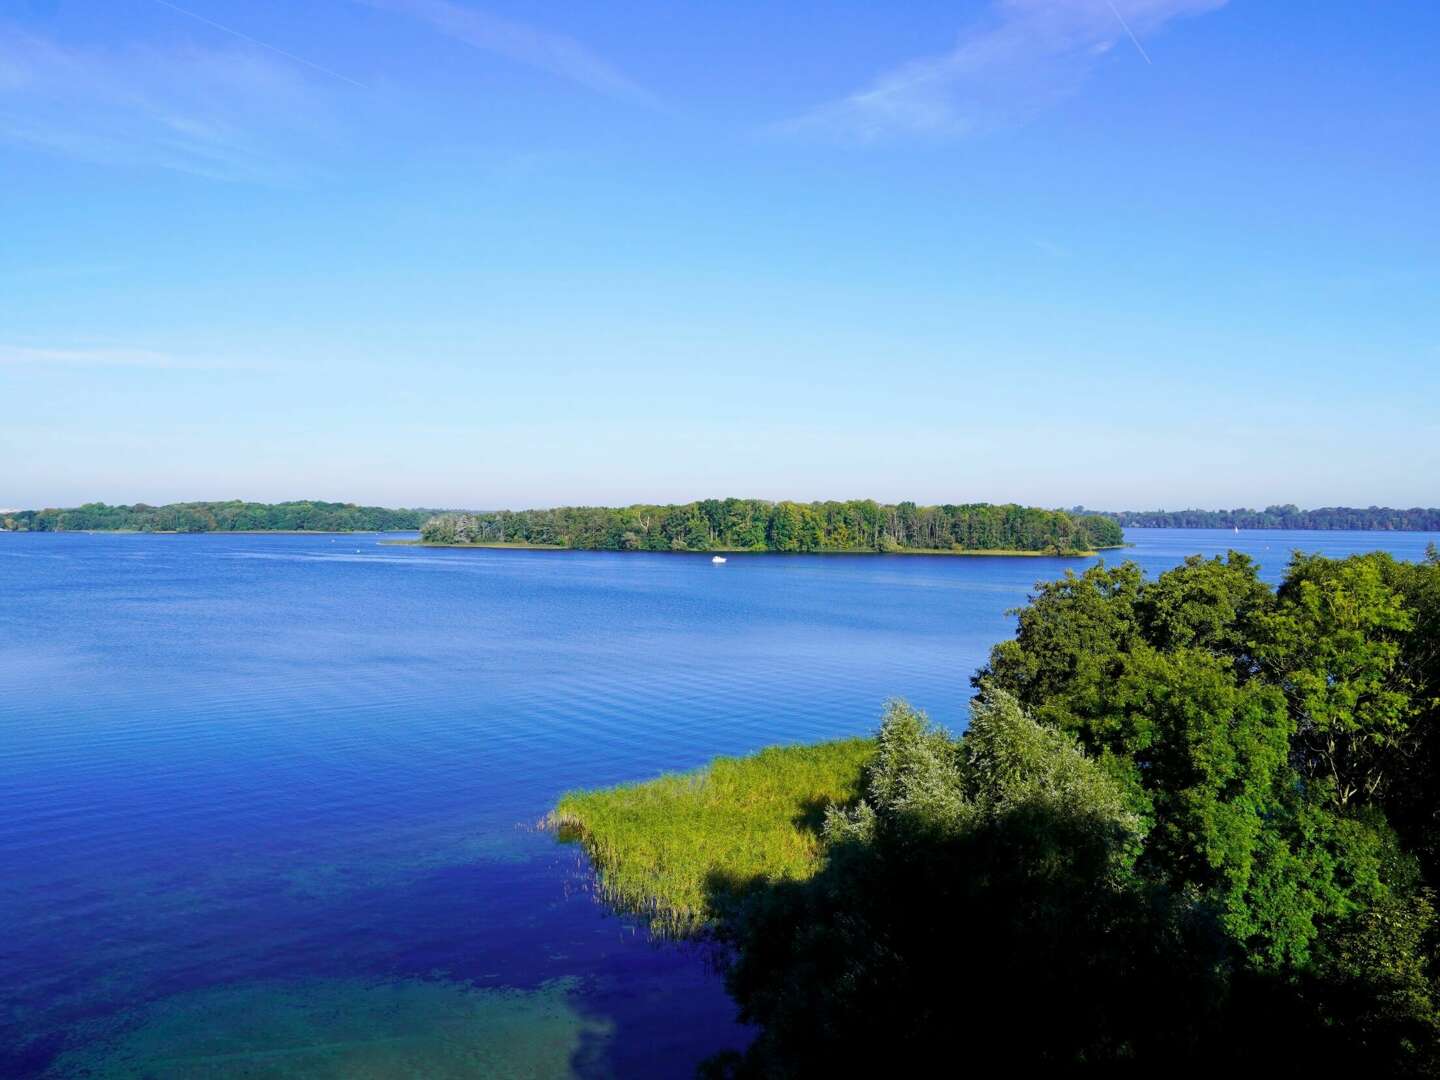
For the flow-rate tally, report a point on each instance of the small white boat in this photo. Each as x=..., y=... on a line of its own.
x=718, y=559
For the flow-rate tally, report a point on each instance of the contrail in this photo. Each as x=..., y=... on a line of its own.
x=260, y=44
x=1113, y=8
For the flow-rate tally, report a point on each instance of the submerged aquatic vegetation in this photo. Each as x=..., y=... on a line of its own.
x=346, y=1029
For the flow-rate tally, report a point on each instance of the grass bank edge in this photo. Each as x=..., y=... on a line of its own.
x=663, y=848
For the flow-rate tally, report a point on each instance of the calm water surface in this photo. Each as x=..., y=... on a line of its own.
x=267, y=802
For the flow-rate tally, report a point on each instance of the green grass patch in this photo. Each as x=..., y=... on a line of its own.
x=660, y=847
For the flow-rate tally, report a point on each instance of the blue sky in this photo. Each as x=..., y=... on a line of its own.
x=453, y=252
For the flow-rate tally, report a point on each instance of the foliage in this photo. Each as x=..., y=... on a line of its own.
x=1251, y=727
x=232, y=516
x=1412, y=801
x=983, y=885
x=754, y=525
x=1193, y=823
x=1334, y=645
x=656, y=845
x=1289, y=516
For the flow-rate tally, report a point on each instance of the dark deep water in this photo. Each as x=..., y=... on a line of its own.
x=266, y=802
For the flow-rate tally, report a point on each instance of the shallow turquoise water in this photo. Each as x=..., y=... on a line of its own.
x=268, y=801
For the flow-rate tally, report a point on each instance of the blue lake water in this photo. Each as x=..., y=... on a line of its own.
x=267, y=803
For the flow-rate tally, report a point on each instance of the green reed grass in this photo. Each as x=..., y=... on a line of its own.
x=662, y=847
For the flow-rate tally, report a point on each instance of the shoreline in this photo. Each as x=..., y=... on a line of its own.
x=211, y=532
x=521, y=546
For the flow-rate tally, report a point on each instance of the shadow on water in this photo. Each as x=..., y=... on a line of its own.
x=650, y=1029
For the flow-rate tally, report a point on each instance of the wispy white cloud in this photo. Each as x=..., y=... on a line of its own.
x=226, y=113
x=258, y=43
x=102, y=357
x=1028, y=55
x=554, y=53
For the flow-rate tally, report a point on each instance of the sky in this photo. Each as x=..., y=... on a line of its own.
x=483, y=253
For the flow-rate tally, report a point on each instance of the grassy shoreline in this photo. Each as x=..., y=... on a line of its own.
x=516, y=545
x=659, y=847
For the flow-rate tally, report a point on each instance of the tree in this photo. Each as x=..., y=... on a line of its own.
x=1209, y=604
x=987, y=881
x=1068, y=645
x=752, y=524
x=1334, y=645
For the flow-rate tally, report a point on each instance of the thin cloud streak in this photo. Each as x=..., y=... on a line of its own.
x=1131, y=33
x=104, y=357
x=229, y=114
x=1030, y=55
x=258, y=43
x=554, y=53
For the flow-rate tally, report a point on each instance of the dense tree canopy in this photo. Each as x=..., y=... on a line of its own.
x=754, y=525
x=1289, y=516
x=232, y=516
x=1194, y=821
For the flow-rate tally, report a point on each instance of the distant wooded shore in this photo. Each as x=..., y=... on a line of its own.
x=848, y=526
x=860, y=526
x=1374, y=518
x=231, y=516
x=511, y=545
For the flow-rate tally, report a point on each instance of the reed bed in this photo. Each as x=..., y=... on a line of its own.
x=668, y=848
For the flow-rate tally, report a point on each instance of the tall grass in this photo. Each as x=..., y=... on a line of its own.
x=660, y=847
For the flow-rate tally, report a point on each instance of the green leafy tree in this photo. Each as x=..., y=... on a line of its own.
x=989, y=878
x=1334, y=645
x=1069, y=643
x=1213, y=604
x=752, y=524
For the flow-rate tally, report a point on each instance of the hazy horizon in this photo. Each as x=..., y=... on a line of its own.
x=487, y=508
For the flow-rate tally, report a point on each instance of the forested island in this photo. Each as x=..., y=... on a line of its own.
x=234, y=516
x=861, y=525
x=1289, y=516
x=1194, y=823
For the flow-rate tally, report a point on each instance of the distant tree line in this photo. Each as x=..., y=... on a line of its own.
x=1289, y=516
x=756, y=525
x=231, y=516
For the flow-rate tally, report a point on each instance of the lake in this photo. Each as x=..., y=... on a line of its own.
x=268, y=803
